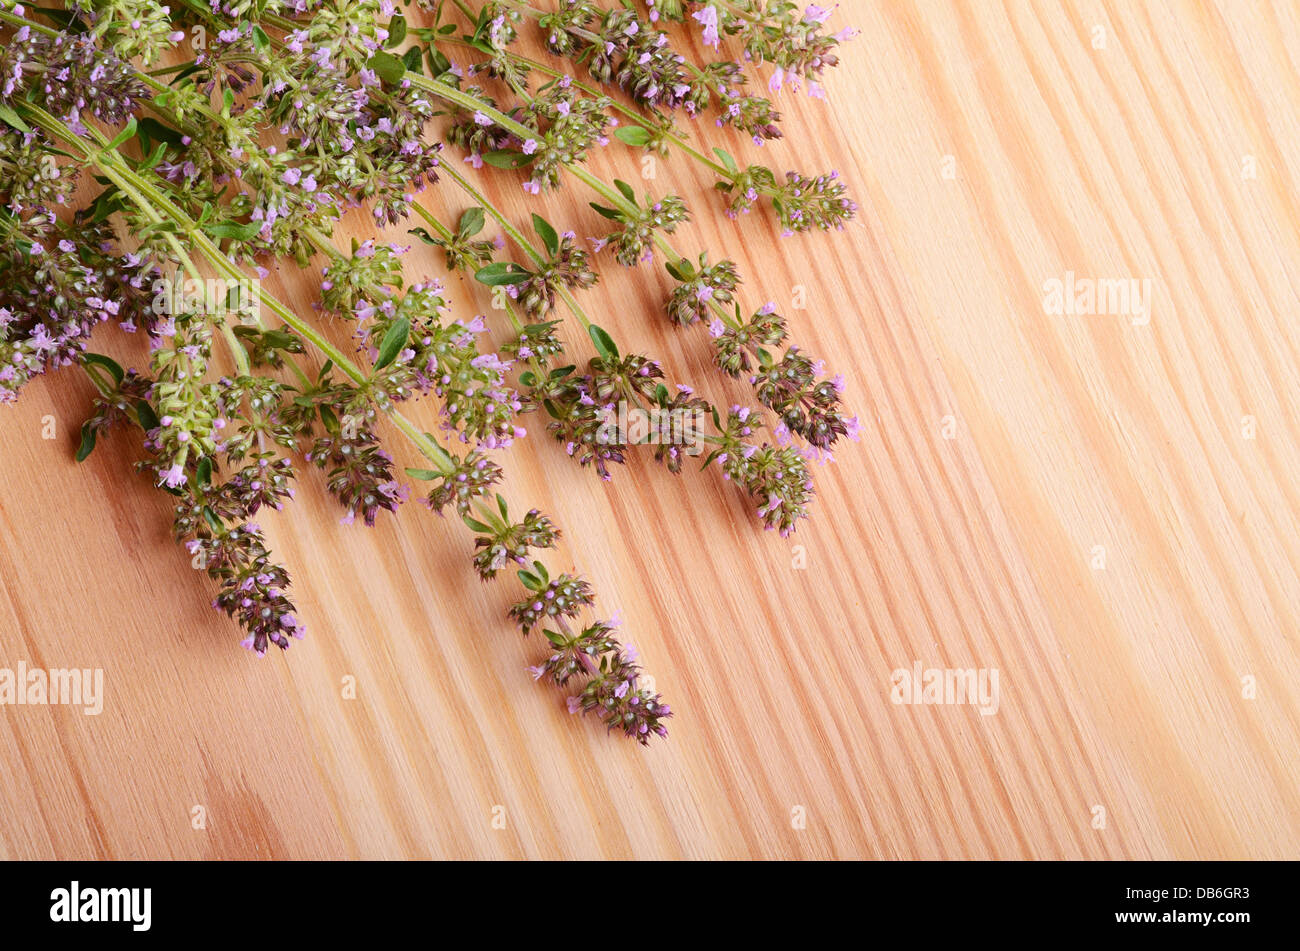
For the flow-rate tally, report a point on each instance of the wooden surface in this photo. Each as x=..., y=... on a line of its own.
x=1001, y=445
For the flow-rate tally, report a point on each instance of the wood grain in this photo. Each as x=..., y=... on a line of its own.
x=993, y=147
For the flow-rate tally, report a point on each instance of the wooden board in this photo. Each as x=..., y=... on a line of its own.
x=1101, y=508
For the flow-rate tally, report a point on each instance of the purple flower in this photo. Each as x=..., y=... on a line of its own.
x=173, y=478
x=708, y=18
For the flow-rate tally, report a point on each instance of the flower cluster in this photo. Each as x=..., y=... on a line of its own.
x=359, y=472
x=733, y=345
x=582, y=406
x=590, y=651
x=252, y=585
x=619, y=47
x=774, y=31
x=72, y=73
x=806, y=406
x=213, y=521
x=415, y=349
x=697, y=288
x=775, y=476
x=467, y=479
x=564, y=596
x=567, y=124
x=189, y=417
x=634, y=241
x=52, y=295
x=132, y=28
x=503, y=542
x=567, y=267
x=802, y=202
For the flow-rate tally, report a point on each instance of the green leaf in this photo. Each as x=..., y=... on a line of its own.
x=682, y=270
x=126, y=135
x=554, y=638
x=424, y=475
x=438, y=63
x=155, y=157
x=501, y=504
x=423, y=235
x=546, y=233
x=727, y=160
x=505, y=158
x=396, y=31
x=260, y=40
x=609, y=213
x=147, y=417
x=542, y=572
x=330, y=420
x=204, y=475
x=99, y=360
x=387, y=67
x=633, y=135
x=501, y=272
x=661, y=395
x=70, y=22
x=412, y=61
x=109, y=202
x=394, y=342
x=527, y=378
x=232, y=229
x=87, y=442
x=279, y=340
x=471, y=222
x=214, y=523
x=626, y=189
x=12, y=118
x=604, y=344
x=476, y=525
x=530, y=580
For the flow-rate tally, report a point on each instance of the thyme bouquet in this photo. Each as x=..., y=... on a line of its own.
x=148, y=150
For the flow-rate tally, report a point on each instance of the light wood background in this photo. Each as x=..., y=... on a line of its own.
x=1114, y=523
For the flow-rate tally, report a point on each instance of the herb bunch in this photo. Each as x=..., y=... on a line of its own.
x=218, y=138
